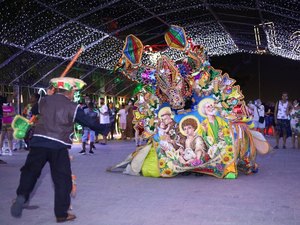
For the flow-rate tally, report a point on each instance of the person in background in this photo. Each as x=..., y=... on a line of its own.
x=112, y=119
x=8, y=116
x=122, y=121
x=281, y=117
x=139, y=129
x=250, y=110
x=269, y=117
x=50, y=90
x=258, y=112
x=2, y=100
x=27, y=112
x=295, y=124
x=104, y=119
x=129, y=118
x=87, y=132
x=96, y=109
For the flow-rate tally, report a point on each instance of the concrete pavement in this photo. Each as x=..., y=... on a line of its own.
x=270, y=197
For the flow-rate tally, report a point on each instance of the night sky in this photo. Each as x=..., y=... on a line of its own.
x=277, y=74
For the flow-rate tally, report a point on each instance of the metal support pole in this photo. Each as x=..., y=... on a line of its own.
x=259, y=77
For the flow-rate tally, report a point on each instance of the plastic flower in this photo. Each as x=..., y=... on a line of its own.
x=162, y=163
x=167, y=172
x=229, y=148
x=226, y=159
x=219, y=166
x=226, y=131
x=196, y=162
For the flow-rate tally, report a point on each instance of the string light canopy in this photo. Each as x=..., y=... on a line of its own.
x=36, y=36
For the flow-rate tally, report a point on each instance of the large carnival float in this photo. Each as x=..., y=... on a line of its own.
x=193, y=116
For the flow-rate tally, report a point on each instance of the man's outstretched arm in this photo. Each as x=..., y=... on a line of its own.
x=90, y=122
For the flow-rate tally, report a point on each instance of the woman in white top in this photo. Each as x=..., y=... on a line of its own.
x=258, y=111
x=104, y=118
x=122, y=121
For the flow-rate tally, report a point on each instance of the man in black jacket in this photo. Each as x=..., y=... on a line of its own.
x=50, y=143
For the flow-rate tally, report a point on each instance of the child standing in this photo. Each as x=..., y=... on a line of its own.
x=139, y=129
x=87, y=131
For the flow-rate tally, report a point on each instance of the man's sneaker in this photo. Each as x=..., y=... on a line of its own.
x=17, y=206
x=7, y=151
x=69, y=217
x=91, y=152
x=82, y=152
x=2, y=162
x=4, y=152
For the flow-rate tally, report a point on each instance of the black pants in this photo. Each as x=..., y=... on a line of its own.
x=112, y=129
x=60, y=171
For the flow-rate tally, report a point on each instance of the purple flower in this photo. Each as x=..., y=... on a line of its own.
x=219, y=166
x=196, y=162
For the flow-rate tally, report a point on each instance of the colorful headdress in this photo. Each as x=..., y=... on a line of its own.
x=67, y=83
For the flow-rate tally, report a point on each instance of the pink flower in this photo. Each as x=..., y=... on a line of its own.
x=196, y=162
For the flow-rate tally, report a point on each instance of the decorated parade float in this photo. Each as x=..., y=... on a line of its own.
x=192, y=115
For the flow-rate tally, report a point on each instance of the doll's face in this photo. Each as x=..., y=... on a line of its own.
x=176, y=98
x=209, y=109
x=189, y=130
x=166, y=119
x=162, y=125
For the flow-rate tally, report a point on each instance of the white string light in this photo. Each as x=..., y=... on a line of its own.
x=22, y=24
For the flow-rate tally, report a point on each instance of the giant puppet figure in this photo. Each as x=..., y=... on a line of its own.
x=194, y=116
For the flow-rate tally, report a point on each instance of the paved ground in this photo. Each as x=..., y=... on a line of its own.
x=270, y=197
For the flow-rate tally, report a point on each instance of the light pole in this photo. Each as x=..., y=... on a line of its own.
x=259, y=82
